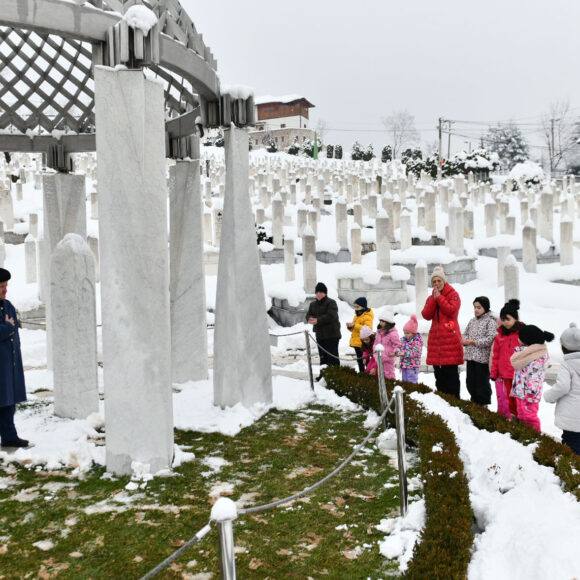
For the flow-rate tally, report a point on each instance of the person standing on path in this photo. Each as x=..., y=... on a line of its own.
x=323, y=315
x=477, y=340
x=363, y=316
x=12, y=386
x=444, y=344
x=566, y=392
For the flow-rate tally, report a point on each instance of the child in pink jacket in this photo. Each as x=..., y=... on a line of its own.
x=411, y=349
x=530, y=361
x=388, y=337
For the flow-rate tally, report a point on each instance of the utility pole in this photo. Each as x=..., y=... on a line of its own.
x=552, y=145
x=440, y=128
x=448, y=139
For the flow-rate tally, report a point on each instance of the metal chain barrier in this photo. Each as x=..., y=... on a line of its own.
x=200, y=535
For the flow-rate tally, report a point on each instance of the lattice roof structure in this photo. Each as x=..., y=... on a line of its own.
x=48, y=49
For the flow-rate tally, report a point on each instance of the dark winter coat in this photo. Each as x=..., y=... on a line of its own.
x=326, y=313
x=504, y=346
x=12, y=388
x=444, y=342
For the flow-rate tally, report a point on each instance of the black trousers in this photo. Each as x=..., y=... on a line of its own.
x=359, y=360
x=478, y=382
x=572, y=439
x=330, y=345
x=7, y=428
x=447, y=379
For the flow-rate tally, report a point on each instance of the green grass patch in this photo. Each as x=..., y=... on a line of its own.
x=100, y=530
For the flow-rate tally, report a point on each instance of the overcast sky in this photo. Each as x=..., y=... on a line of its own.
x=359, y=61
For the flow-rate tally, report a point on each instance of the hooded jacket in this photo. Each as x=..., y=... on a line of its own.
x=504, y=345
x=566, y=394
x=364, y=319
x=444, y=346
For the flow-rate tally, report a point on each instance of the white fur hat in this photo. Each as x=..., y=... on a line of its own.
x=570, y=338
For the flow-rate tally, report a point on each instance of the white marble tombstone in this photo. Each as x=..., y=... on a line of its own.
x=74, y=327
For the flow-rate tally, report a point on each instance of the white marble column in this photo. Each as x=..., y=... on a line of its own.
x=277, y=221
x=242, y=365
x=74, y=327
x=566, y=242
x=405, y=230
x=511, y=276
x=309, y=260
x=383, y=242
x=341, y=224
x=490, y=218
x=529, y=248
x=186, y=272
x=502, y=253
x=421, y=285
x=30, y=259
x=289, y=265
x=355, y=244
x=132, y=191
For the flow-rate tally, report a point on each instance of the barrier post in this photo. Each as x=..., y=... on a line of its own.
x=401, y=455
x=309, y=356
x=379, y=350
x=224, y=512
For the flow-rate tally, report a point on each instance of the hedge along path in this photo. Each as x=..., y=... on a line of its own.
x=549, y=452
x=444, y=548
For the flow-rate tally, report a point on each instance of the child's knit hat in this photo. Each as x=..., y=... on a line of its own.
x=365, y=332
x=570, y=338
x=411, y=325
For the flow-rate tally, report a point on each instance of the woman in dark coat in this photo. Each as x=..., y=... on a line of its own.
x=444, y=344
x=12, y=387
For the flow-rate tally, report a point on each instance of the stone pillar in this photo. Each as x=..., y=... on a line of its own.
x=524, y=210
x=355, y=244
x=341, y=224
x=33, y=224
x=546, y=221
x=511, y=276
x=396, y=215
x=313, y=220
x=430, y=212
x=421, y=285
x=383, y=243
x=510, y=225
x=186, y=272
x=242, y=365
x=309, y=260
x=277, y=221
x=289, y=267
x=132, y=191
x=529, y=248
x=468, y=221
x=94, y=246
x=502, y=253
x=30, y=259
x=405, y=231
x=74, y=327
x=301, y=220
x=358, y=214
x=566, y=242
x=6, y=208
x=94, y=206
x=490, y=218
x=208, y=229
x=64, y=200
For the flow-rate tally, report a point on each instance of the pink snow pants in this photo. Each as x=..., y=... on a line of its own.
x=506, y=405
x=528, y=413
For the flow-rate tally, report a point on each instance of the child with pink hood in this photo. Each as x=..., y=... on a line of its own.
x=411, y=350
x=388, y=337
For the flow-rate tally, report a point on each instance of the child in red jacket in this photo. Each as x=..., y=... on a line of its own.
x=504, y=345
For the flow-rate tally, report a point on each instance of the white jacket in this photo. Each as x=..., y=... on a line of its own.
x=566, y=394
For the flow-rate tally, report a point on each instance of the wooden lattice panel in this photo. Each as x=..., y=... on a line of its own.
x=46, y=83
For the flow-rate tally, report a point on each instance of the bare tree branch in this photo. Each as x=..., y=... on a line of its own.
x=402, y=131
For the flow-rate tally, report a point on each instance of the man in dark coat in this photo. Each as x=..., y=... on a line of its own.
x=12, y=388
x=323, y=314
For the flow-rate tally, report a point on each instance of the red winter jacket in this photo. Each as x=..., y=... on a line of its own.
x=444, y=343
x=504, y=345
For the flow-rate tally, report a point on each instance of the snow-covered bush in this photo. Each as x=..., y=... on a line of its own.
x=387, y=154
x=262, y=235
x=294, y=149
x=528, y=173
x=357, y=152
x=338, y=152
x=368, y=153
x=329, y=151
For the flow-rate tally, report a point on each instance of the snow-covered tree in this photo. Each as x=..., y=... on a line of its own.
x=387, y=154
x=338, y=152
x=357, y=152
x=329, y=151
x=294, y=149
x=507, y=140
x=368, y=153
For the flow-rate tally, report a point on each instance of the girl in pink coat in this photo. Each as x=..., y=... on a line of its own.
x=388, y=337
